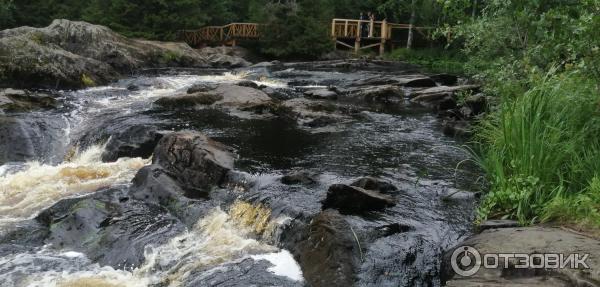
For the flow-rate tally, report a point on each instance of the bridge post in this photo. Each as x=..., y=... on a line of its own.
x=384, y=36
x=358, y=37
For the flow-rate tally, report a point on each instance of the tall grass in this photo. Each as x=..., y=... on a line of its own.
x=541, y=151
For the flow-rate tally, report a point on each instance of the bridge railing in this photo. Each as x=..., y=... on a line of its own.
x=352, y=29
x=220, y=34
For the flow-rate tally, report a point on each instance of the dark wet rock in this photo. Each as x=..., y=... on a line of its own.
x=153, y=185
x=299, y=177
x=109, y=227
x=249, y=84
x=188, y=100
x=133, y=88
x=320, y=122
x=197, y=162
x=446, y=103
x=497, y=223
x=202, y=87
x=226, y=57
x=390, y=229
x=355, y=200
x=323, y=94
x=417, y=82
x=27, y=233
x=527, y=240
x=16, y=142
x=246, y=272
x=336, y=55
x=136, y=141
x=445, y=79
x=382, y=93
x=457, y=128
x=279, y=94
x=12, y=100
x=326, y=251
x=477, y=104
x=377, y=184
x=436, y=94
x=73, y=54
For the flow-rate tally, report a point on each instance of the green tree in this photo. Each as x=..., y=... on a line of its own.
x=6, y=14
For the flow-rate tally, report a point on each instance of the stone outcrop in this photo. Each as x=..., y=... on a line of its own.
x=528, y=240
x=354, y=200
x=71, y=54
x=197, y=162
x=136, y=141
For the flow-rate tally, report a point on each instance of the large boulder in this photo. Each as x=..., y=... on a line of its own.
x=383, y=93
x=73, y=54
x=16, y=141
x=197, y=162
x=136, y=141
x=372, y=183
x=226, y=57
x=109, y=227
x=527, y=240
x=327, y=251
x=353, y=200
x=222, y=96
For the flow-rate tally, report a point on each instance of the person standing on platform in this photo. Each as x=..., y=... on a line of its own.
x=364, y=27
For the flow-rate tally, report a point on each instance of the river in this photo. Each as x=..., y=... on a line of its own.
x=237, y=240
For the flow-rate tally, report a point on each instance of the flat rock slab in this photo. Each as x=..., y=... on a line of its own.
x=528, y=240
x=352, y=200
x=440, y=92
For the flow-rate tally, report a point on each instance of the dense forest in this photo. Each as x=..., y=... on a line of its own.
x=538, y=59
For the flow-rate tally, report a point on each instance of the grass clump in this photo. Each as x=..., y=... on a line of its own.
x=541, y=152
x=87, y=81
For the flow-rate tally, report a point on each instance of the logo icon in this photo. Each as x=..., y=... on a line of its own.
x=466, y=261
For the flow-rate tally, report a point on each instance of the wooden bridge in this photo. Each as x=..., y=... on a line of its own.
x=220, y=35
x=349, y=33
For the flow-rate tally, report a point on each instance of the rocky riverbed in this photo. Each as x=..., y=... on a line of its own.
x=223, y=173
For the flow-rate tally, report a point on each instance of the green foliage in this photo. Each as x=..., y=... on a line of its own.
x=6, y=14
x=436, y=60
x=297, y=29
x=541, y=148
x=87, y=81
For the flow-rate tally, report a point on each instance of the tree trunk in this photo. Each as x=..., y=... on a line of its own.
x=412, y=23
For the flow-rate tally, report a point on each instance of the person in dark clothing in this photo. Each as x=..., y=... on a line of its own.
x=364, y=27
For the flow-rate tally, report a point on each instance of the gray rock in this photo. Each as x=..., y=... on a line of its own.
x=109, y=227
x=299, y=177
x=528, y=240
x=376, y=184
x=438, y=93
x=197, y=162
x=188, y=100
x=323, y=94
x=355, y=200
x=16, y=143
x=202, y=87
x=12, y=100
x=376, y=93
x=327, y=251
x=136, y=141
x=71, y=54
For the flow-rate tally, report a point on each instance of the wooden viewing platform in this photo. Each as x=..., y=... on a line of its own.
x=364, y=34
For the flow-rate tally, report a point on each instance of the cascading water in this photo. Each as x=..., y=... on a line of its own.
x=400, y=144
